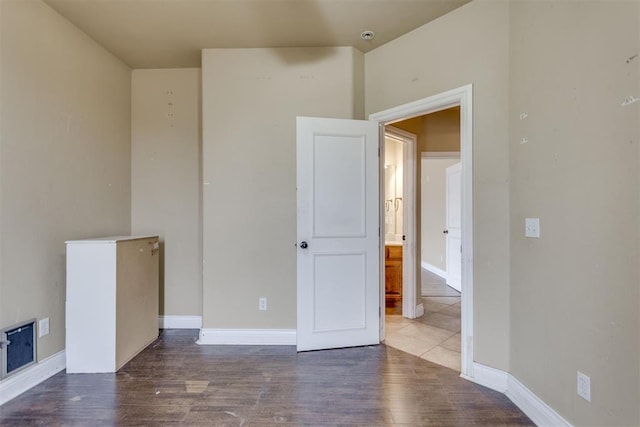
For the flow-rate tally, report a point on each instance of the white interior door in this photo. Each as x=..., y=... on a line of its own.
x=454, y=226
x=338, y=299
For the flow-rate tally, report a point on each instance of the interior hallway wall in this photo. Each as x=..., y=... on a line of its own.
x=165, y=179
x=251, y=98
x=64, y=157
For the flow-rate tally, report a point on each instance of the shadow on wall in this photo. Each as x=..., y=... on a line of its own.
x=314, y=24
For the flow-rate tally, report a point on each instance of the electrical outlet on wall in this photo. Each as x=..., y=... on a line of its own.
x=584, y=386
x=262, y=303
x=43, y=327
x=532, y=227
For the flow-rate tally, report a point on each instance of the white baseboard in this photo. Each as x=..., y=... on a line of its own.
x=539, y=412
x=179, y=322
x=492, y=378
x=420, y=310
x=30, y=377
x=435, y=270
x=535, y=408
x=247, y=337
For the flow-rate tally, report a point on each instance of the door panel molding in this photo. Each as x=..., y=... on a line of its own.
x=338, y=233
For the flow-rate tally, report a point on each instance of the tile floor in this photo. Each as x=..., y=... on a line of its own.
x=436, y=335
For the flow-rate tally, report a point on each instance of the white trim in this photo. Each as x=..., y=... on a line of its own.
x=247, y=337
x=420, y=310
x=466, y=158
x=409, y=143
x=462, y=96
x=493, y=378
x=534, y=407
x=381, y=213
x=17, y=384
x=179, y=322
x=435, y=270
x=440, y=155
x=399, y=134
x=432, y=104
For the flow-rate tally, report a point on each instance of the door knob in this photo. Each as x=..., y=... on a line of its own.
x=446, y=231
x=304, y=245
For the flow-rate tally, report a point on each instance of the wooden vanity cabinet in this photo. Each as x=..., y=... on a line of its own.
x=393, y=272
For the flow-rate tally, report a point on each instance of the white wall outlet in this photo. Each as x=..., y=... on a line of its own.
x=584, y=386
x=532, y=227
x=262, y=303
x=43, y=327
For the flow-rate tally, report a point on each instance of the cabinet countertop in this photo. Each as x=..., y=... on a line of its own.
x=110, y=239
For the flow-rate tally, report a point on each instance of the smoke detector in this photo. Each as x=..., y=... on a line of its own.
x=367, y=35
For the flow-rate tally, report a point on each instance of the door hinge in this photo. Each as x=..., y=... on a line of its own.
x=378, y=151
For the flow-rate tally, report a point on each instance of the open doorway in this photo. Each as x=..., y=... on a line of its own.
x=399, y=222
x=434, y=335
x=439, y=339
x=440, y=215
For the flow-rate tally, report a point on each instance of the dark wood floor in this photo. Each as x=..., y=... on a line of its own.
x=176, y=382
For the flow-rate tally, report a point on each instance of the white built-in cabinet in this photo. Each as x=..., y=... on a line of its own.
x=112, y=301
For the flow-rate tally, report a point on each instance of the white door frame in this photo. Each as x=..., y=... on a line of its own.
x=462, y=96
x=409, y=141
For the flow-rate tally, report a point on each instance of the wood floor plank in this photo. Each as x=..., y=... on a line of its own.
x=177, y=382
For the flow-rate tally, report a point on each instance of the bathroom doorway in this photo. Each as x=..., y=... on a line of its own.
x=399, y=184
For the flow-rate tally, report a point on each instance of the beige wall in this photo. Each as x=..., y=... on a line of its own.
x=433, y=180
x=65, y=157
x=574, y=291
x=419, y=64
x=251, y=98
x=165, y=179
x=441, y=131
x=413, y=125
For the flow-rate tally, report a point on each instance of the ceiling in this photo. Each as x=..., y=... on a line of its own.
x=171, y=33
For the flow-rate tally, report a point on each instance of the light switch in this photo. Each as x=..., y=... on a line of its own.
x=43, y=327
x=532, y=227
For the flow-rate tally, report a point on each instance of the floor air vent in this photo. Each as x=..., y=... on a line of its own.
x=18, y=344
